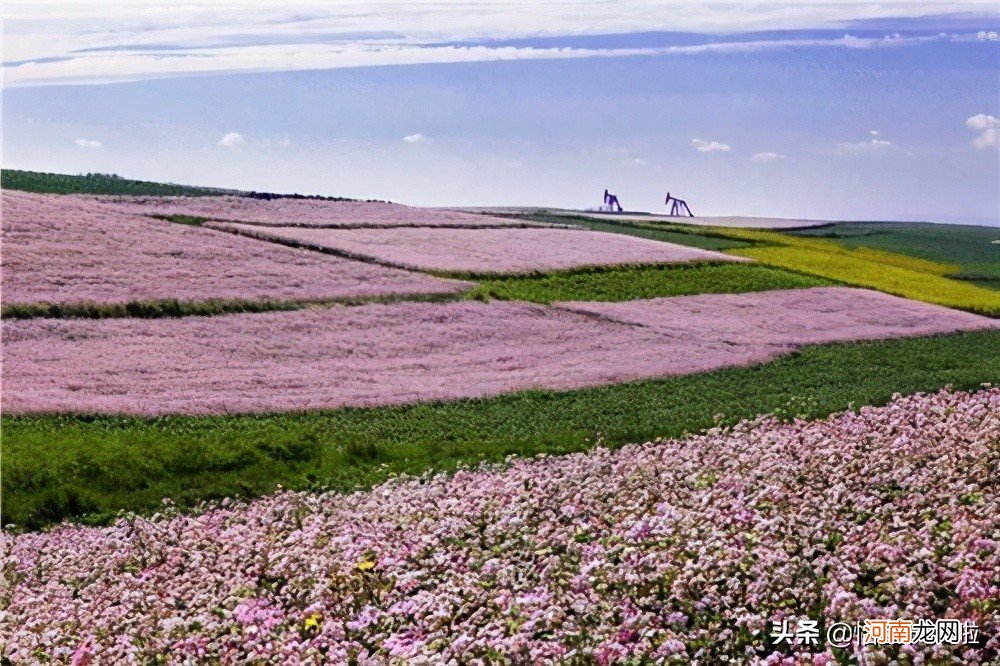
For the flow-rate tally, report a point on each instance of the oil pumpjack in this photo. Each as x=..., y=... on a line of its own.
x=678, y=207
x=610, y=201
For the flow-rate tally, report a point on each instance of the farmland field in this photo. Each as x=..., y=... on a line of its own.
x=822, y=314
x=952, y=267
x=552, y=556
x=487, y=251
x=308, y=213
x=67, y=252
x=891, y=272
x=971, y=249
x=391, y=354
x=637, y=282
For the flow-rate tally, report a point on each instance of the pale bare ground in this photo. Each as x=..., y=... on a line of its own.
x=486, y=250
x=412, y=352
x=740, y=221
x=721, y=221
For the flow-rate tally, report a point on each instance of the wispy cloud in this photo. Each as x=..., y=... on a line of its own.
x=767, y=157
x=987, y=126
x=710, y=146
x=232, y=140
x=414, y=138
x=876, y=141
x=91, y=42
x=875, y=145
x=89, y=143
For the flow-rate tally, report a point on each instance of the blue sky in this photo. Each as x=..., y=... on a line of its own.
x=823, y=110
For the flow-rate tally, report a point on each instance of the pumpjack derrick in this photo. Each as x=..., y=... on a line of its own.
x=678, y=207
x=610, y=201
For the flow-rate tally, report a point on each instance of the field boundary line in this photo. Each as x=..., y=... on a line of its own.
x=598, y=316
x=174, y=309
x=306, y=245
x=370, y=225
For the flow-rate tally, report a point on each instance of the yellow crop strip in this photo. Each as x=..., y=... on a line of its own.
x=890, y=272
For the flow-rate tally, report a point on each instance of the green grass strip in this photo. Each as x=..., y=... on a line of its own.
x=98, y=183
x=153, y=309
x=149, y=309
x=70, y=466
x=635, y=282
x=189, y=220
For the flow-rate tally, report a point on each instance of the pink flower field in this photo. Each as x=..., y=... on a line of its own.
x=489, y=250
x=671, y=552
x=409, y=352
x=62, y=249
x=303, y=212
x=789, y=316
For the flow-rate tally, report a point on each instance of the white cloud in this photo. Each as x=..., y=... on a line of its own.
x=89, y=143
x=87, y=41
x=414, y=138
x=874, y=145
x=711, y=146
x=988, y=128
x=461, y=16
x=767, y=157
x=231, y=140
x=982, y=121
x=876, y=141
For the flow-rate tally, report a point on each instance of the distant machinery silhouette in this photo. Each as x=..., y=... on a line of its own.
x=678, y=207
x=610, y=201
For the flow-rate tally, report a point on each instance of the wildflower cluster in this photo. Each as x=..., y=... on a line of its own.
x=670, y=551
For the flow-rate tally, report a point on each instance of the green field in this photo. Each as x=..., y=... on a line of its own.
x=98, y=183
x=973, y=249
x=70, y=466
x=636, y=282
